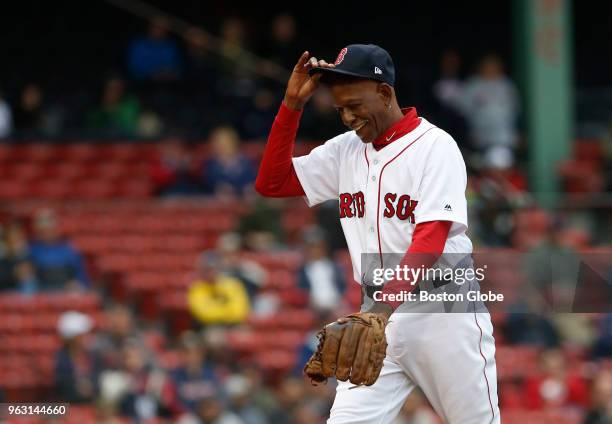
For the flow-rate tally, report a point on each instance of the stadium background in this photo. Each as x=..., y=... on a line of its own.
x=127, y=169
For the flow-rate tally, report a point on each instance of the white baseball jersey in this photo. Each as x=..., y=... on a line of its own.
x=383, y=194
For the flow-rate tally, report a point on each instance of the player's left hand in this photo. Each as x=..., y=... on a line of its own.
x=351, y=348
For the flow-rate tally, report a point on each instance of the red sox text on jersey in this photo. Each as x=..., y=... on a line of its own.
x=352, y=205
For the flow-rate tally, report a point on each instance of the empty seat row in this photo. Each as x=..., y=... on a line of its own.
x=45, y=302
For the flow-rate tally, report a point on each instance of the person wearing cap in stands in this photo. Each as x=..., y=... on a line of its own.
x=75, y=368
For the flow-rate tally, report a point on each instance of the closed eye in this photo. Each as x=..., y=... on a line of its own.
x=350, y=106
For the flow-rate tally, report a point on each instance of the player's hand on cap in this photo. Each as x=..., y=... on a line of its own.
x=301, y=86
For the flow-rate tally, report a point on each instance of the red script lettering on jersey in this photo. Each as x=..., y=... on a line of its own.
x=352, y=205
x=403, y=208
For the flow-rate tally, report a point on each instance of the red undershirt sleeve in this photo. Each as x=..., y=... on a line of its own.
x=427, y=245
x=277, y=176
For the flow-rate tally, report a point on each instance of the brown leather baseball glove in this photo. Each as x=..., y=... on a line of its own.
x=352, y=348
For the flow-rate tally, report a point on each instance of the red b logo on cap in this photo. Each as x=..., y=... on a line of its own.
x=340, y=57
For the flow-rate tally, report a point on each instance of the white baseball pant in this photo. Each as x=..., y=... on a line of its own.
x=450, y=356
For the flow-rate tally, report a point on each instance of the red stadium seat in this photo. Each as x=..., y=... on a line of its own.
x=135, y=189
x=80, y=152
x=65, y=171
x=24, y=171
x=10, y=190
x=516, y=361
x=541, y=417
x=588, y=151
x=53, y=189
x=93, y=189
x=242, y=340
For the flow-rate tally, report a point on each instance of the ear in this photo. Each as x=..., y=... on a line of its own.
x=385, y=91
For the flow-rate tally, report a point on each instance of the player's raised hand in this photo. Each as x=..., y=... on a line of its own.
x=301, y=86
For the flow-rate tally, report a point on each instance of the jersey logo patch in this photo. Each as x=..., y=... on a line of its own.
x=340, y=57
x=448, y=208
x=352, y=205
x=402, y=207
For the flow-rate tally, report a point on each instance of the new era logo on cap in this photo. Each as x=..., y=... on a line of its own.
x=377, y=70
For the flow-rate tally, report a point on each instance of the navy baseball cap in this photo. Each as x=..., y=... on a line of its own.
x=364, y=61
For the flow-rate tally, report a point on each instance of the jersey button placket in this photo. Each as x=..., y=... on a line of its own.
x=372, y=196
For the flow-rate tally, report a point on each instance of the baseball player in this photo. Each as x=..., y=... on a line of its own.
x=400, y=182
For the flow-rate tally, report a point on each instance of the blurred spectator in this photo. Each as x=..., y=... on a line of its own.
x=16, y=270
x=218, y=351
x=447, y=91
x=118, y=113
x=203, y=78
x=576, y=330
x=603, y=345
x=290, y=394
x=239, y=393
x=261, y=394
x=320, y=276
x=261, y=228
x=237, y=66
x=119, y=329
x=236, y=61
x=499, y=189
x=75, y=368
x=215, y=298
x=525, y=326
x=154, y=57
x=255, y=124
x=106, y=413
x=171, y=172
x=601, y=400
x=211, y=410
x=552, y=267
x=141, y=390
x=201, y=64
x=231, y=263
x=606, y=147
x=490, y=103
x=227, y=172
x=282, y=45
x=305, y=413
x=555, y=386
x=28, y=111
x=498, y=168
x=58, y=264
x=320, y=398
x=6, y=118
x=195, y=378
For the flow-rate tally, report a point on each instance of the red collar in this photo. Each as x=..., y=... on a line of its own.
x=402, y=127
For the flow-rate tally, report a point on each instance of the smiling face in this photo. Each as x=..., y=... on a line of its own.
x=362, y=105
